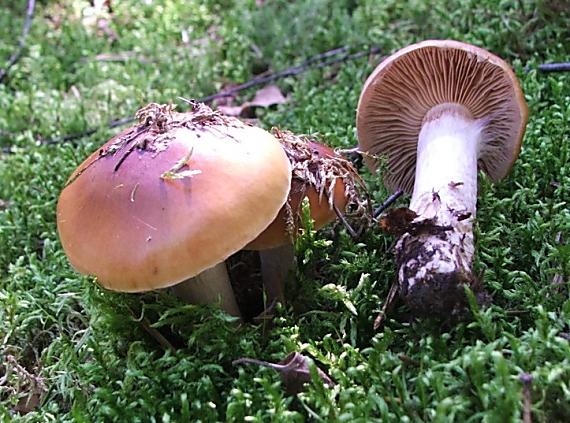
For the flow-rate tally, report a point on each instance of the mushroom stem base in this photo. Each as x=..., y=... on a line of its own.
x=432, y=275
x=210, y=286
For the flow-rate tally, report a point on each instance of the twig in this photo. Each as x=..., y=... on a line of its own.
x=554, y=67
x=22, y=43
x=30, y=387
x=550, y=67
x=389, y=201
x=388, y=305
x=295, y=70
x=66, y=138
x=526, y=380
x=408, y=360
x=292, y=71
x=349, y=228
x=325, y=55
x=153, y=332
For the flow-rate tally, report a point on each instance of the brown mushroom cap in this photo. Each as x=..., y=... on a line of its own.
x=407, y=85
x=280, y=232
x=123, y=218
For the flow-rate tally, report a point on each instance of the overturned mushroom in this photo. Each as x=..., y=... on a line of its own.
x=438, y=111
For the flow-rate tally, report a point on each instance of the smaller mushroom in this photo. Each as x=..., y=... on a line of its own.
x=331, y=185
x=438, y=111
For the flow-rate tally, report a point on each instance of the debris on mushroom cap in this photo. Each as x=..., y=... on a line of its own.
x=327, y=179
x=405, y=87
x=170, y=197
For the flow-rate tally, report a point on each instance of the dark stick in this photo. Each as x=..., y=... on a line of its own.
x=325, y=55
x=389, y=201
x=526, y=380
x=550, y=67
x=153, y=332
x=349, y=228
x=388, y=305
x=554, y=67
x=295, y=70
x=112, y=124
x=22, y=43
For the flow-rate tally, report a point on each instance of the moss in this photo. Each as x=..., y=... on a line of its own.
x=97, y=361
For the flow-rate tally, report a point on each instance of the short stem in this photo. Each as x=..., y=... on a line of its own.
x=209, y=287
x=276, y=264
x=435, y=264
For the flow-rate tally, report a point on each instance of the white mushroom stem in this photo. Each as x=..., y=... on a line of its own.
x=210, y=286
x=436, y=258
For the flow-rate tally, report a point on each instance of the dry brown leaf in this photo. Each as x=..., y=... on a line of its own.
x=397, y=221
x=30, y=403
x=232, y=110
x=294, y=371
x=268, y=96
x=265, y=97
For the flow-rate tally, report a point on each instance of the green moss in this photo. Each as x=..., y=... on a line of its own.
x=95, y=357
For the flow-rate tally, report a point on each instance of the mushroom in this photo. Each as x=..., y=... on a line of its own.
x=166, y=202
x=438, y=111
x=324, y=177
x=170, y=199
x=331, y=185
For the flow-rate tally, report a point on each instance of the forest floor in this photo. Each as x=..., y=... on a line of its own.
x=71, y=351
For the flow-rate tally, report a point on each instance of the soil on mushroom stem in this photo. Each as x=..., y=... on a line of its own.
x=244, y=268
